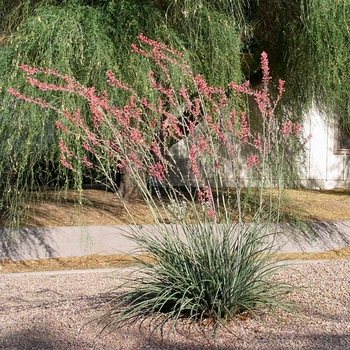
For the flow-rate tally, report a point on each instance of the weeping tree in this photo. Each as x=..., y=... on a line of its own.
x=73, y=39
x=306, y=40
x=84, y=39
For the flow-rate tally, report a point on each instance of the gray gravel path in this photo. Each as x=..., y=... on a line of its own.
x=55, y=310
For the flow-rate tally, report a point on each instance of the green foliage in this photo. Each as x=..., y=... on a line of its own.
x=85, y=39
x=211, y=32
x=201, y=271
x=73, y=40
x=327, y=31
x=306, y=40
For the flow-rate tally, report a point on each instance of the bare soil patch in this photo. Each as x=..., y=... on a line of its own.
x=104, y=208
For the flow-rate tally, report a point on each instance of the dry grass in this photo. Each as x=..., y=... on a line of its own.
x=104, y=208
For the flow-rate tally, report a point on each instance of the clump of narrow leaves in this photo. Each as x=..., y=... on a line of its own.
x=202, y=272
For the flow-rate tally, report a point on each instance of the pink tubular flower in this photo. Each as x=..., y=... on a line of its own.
x=155, y=148
x=157, y=171
x=244, y=88
x=205, y=196
x=64, y=149
x=200, y=195
x=192, y=128
x=245, y=128
x=148, y=105
x=171, y=126
x=212, y=214
x=47, y=87
x=117, y=83
x=87, y=147
x=287, y=128
x=253, y=160
x=158, y=45
x=154, y=123
x=136, y=136
x=208, y=193
x=40, y=102
x=193, y=161
x=76, y=118
x=29, y=70
x=290, y=128
x=203, y=145
x=297, y=129
x=60, y=126
x=92, y=137
x=86, y=162
x=281, y=89
x=258, y=143
x=97, y=115
x=162, y=55
x=265, y=69
x=202, y=85
x=169, y=93
x=211, y=93
x=175, y=124
x=123, y=166
x=196, y=108
x=66, y=164
x=223, y=138
x=184, y=94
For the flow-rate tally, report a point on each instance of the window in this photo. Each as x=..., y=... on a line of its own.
x=342, y=139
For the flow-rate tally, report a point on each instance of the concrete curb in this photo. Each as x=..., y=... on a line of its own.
x=44, y=243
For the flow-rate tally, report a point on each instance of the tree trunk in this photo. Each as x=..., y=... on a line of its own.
x=128, y=188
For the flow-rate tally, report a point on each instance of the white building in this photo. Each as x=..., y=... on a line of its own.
x=327, y=156
x=327, y=153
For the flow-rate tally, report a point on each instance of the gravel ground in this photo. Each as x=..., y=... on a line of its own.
x=55, y=310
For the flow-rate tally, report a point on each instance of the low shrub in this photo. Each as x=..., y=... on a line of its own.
x=201, y=271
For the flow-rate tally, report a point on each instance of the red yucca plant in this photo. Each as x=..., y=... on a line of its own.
x=178, y=150
x=136, y=138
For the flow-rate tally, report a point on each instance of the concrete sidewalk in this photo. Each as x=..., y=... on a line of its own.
x=44, y=243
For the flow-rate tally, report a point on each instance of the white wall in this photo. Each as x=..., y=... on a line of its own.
x=324, y=169
x=179, y=153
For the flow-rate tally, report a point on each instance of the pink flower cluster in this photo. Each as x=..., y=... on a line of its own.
x=245, y=128
x=66, y=164
x=194, y=108
x=262, y=96
x=139, y=133
x=290, y=128
x=206, y=195
x=252, y=160
x=194, y=161
x=86, y=162
x=60, y=126
x=157, y=171
x=206, y=198
x=64, y=149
